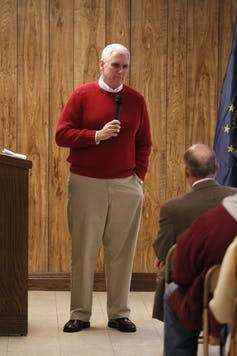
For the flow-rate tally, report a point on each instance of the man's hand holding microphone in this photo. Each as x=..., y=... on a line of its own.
x=111, y=128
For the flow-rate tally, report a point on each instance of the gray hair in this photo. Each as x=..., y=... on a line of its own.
x=200, y=159
x=114, y=47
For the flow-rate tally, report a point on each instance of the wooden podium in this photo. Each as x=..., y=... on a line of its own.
x=13, y=245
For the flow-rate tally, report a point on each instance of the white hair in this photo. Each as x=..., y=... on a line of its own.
x=114, y=47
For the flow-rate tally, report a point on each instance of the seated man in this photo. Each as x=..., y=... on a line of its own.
x=177, y=214
x=198, y=248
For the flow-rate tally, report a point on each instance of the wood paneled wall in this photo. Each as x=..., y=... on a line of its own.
x=179, y=51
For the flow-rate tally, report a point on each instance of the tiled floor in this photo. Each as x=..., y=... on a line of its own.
x=48, y=311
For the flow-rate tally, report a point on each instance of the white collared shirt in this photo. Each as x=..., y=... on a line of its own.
x=106, y=87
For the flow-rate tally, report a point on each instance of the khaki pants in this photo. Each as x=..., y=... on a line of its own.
x=108, y=212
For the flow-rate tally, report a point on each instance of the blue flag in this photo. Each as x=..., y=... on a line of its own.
x=225, y=143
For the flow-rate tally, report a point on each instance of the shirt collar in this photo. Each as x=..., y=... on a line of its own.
x=201, y=180
x=106, y=87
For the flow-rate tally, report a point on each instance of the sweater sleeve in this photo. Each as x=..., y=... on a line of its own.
x=187, y=256
x=226, y=289
x=68, y=131
x=143, y=144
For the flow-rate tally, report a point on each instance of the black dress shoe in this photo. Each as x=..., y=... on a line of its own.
x=75, y=325
x=122, y=324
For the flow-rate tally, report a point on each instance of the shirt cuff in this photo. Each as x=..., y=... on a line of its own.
x=96, y=139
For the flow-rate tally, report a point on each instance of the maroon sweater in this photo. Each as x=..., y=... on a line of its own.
x=198, y=248
x=88, y=109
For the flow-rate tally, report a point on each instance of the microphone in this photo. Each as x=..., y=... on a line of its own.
x=118, y=103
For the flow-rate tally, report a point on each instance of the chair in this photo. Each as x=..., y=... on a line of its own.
x=168, y=265
x=168, y=268
x=209, y=287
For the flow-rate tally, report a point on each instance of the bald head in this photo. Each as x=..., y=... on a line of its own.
x=200, y=161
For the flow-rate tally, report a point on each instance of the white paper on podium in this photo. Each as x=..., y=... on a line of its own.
x=13, y=154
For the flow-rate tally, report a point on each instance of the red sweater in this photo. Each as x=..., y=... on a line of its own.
x=88, y=109
x=198, y=248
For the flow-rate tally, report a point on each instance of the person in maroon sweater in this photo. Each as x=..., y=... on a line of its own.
x=198, y=248
x=105, y=125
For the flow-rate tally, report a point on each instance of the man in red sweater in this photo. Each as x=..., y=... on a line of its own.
x=198, y=248
x=106, y=126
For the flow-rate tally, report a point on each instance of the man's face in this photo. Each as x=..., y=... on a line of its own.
x=114, y=70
